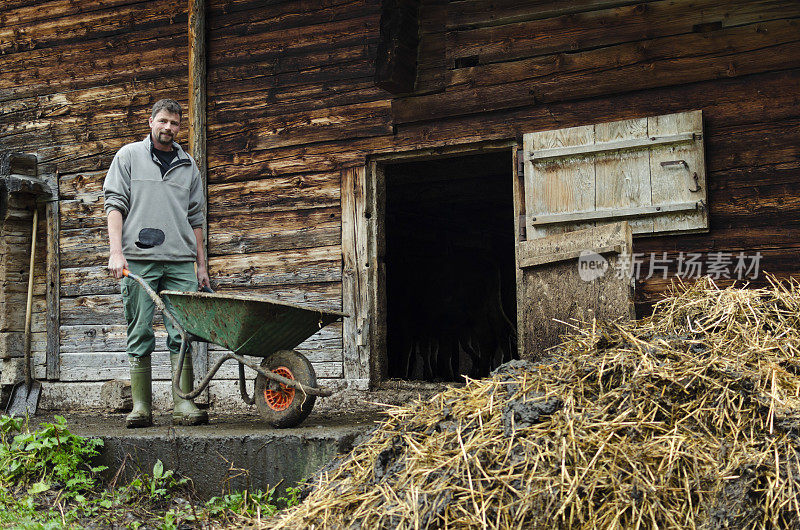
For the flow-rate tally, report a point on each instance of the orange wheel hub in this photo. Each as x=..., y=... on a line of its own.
x=281, y=398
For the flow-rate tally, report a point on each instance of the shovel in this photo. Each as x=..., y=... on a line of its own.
x=25, y=397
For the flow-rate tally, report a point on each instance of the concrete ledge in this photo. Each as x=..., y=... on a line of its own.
x=223, y=396
x=230, y=454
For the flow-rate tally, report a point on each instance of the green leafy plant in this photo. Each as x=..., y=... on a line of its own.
x=47, y=480
x=50, y=457
x=154, y=487
x=25, y=512
x=9, y=424
x=163, y=481
x=292, y=498
x=250, y=504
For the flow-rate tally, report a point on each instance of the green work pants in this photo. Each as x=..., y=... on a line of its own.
x=159, y=275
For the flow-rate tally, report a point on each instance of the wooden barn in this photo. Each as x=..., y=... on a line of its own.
x=392, y=159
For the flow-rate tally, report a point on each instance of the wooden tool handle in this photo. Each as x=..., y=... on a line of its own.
x=29, y=302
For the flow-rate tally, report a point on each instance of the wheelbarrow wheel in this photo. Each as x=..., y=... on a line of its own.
x=279, y=405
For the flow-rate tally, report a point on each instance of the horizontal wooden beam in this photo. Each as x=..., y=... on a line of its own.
x=603, y=71
x=635, y=143
x=623, y=213
x=323, y=346
x=565, y=256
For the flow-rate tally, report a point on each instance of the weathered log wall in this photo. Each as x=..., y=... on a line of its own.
x=287, y=76
x=492, y=72
x=77, y=81
x=292, y=101
x=15, y=250
x=77, y=84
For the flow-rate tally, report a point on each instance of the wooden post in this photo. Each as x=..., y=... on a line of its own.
x=396, y=58
x=197, y=131
x=355, y=272
x=375, y=212
x=53, y=353
x=197, y=90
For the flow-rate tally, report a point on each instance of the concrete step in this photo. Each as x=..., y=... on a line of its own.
x=231, y=453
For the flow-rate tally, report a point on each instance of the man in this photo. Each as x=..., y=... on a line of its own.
x=154, y=204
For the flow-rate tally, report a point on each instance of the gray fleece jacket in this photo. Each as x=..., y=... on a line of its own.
x=158, y=212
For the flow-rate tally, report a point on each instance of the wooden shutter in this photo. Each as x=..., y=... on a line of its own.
x=647, y=171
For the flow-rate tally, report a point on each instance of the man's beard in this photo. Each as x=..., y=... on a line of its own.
x=164, y=138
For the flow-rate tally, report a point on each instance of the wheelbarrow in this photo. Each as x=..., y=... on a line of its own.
x=286, y=385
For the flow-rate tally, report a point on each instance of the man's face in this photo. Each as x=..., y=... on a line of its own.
x=165, y=127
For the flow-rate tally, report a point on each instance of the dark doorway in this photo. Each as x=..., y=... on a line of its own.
x=450, y=267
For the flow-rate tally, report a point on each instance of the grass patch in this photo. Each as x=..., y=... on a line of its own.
x=47, y=480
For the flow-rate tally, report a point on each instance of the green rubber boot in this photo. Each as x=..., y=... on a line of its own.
x=184, y=411
x=141, y=392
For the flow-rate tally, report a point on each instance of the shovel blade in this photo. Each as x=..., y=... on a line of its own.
x=25, y=399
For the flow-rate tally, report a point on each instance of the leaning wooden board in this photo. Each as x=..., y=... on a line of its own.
x=570, y=277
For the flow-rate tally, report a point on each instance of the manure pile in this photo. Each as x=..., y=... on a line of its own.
x=687, y=419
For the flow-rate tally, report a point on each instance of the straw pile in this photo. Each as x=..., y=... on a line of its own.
x=687, y=419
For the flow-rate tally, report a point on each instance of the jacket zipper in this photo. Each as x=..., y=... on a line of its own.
x=183, y=162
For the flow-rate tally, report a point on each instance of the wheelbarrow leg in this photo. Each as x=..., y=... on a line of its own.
x=184, y=411
x=242, y=388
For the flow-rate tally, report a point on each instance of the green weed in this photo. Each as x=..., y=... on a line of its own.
x=47, y=481
x=154, y=487
x=248, y=505
x=48, y=458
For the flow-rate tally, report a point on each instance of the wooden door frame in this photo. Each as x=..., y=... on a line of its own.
x=519, y=236
x=364, y=251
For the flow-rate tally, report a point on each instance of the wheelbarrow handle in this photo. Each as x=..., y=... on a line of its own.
x=156, y=300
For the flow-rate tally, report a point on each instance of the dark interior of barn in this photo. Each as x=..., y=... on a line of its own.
x=450, y=271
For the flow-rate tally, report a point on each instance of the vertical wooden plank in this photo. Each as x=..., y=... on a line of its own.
x=375, y=268
x=197, y=95
x=518, y=188
x=674, y=183
x=53, y=354
x=197, y=137
x=432, y=47
x=396, y=58
x=564, y=185
x=532, y=179
x=349, y=281
x=355, y=353
x=623, y=177
x=197, y=85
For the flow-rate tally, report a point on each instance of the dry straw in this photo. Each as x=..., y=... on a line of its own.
x=686, y=419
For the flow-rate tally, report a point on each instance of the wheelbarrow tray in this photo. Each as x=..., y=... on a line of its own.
x=247, y=325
